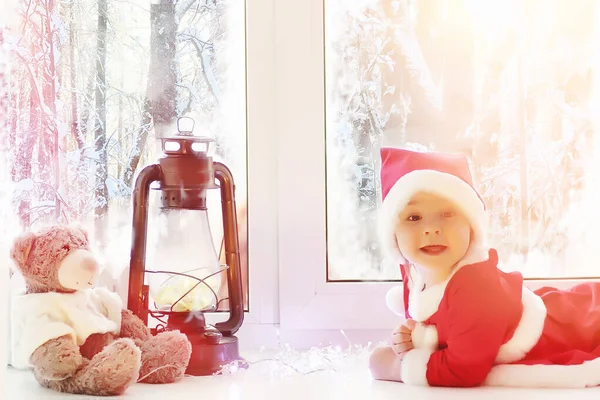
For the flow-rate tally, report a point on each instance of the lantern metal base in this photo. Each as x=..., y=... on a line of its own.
x=208, y=358
x=211, y=350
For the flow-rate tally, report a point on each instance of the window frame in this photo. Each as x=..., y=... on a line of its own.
x=307, y=301
x=260, y=173
x=290, y=300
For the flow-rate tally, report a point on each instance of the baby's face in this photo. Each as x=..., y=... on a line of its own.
x=431, y=232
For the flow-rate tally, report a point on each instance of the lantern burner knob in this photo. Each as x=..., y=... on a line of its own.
x=213, y=337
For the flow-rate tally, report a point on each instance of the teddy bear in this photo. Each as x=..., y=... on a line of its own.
x=76, y=337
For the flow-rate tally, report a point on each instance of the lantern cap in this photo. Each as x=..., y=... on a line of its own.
x=186, y=169
x=184, y=141
x=188, y=145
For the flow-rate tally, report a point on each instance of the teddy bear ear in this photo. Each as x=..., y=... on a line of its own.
x=78, y=229
x=84, y=232
x=21, y=248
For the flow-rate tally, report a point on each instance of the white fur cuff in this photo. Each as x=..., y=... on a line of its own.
x=546, y=376
x=528, y=331
x=425, y=337
x=414, y=367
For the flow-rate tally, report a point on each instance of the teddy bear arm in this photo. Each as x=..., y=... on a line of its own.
x=56, y=359
x=95, y=343
x=133, y=327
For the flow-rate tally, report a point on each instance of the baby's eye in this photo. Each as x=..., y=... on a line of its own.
x=413, y=218
x=449, y=214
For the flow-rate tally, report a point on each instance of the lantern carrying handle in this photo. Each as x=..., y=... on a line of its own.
x=137, y=299
x=232, y=251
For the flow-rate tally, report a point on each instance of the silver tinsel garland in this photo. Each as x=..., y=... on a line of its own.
x=285, y=361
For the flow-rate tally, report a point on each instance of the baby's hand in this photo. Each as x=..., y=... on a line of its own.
x=402, y=337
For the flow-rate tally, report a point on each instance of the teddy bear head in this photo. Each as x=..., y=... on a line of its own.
x=55, y=259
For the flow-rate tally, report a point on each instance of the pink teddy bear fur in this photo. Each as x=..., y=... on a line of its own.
x=58, y=259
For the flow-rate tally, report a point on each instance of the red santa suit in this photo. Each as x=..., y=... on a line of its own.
x=482, y=326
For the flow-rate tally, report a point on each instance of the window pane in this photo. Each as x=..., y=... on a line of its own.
x=513, y=85
x=93, y=84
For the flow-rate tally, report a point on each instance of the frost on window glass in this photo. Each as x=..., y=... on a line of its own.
x=513, y=85
x=91, y=85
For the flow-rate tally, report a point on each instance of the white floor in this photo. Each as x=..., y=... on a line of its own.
x=295, y=375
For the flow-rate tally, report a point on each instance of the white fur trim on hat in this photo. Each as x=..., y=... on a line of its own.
x=441, y=184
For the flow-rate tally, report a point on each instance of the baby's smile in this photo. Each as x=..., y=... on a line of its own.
x=433, y=250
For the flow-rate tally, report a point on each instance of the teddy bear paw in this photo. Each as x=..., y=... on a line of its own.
x=165, y=357
x=115, y=368
x=108, y=373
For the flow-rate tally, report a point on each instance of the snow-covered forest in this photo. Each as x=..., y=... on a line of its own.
x=515, y=85
x=89, y=86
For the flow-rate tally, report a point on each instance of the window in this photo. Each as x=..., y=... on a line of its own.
x=510, y=85
x=93, y=84
x=487, y=81
x=299, y=100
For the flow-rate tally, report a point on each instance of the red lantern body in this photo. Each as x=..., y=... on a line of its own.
x=184, y=175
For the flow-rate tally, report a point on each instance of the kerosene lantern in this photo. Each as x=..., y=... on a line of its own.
x=184, y=286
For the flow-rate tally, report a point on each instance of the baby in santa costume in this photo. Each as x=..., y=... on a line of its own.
x=467, y=322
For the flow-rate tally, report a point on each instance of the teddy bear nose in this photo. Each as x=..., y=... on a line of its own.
x=90, y=265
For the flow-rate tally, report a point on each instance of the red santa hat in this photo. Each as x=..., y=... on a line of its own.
x=405, y=173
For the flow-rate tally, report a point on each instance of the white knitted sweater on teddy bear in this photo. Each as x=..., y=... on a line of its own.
x=39, y=317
